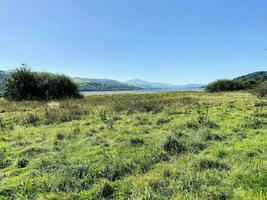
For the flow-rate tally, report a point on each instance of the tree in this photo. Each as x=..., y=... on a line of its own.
x=25, y=84
x=20, y=84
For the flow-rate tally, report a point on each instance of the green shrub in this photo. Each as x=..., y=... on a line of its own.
x=55, y=86
x=226, y=85
x=261, y=89
x=24, y=84
x=21, y=84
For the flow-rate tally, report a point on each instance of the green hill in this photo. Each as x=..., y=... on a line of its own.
x=259, y=76
x=86, y=84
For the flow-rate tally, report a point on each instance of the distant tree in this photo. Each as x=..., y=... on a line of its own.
x=25, y=84
x=225, y=85
x=20, y=84
x=261, y=89
x=54, y=86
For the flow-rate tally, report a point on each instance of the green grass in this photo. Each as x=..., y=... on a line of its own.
x=174, y=145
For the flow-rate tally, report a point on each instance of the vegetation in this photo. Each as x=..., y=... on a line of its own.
x=173, y=145
x=85, y=84
x=24, y=84
x=260, y=76
x=261, y=89
x=248, y=82
x=225, y=85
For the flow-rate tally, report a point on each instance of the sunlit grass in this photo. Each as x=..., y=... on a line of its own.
x=172, y=145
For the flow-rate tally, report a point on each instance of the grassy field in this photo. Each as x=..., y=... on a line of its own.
x=173, y=145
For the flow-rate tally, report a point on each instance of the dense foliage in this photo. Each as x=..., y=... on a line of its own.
x=261, y=89
x=25, y=84
x=225, y=85
x=173, y=145
x=247, y=82
x=260, y=76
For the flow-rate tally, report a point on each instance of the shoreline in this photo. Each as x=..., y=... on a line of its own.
x=137, y=91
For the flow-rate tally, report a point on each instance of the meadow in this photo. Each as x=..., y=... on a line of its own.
x=167, y=145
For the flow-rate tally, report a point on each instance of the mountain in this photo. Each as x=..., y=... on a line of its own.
x=147, y=85
x=87, y=84
x=156, y=85
x=259, y=76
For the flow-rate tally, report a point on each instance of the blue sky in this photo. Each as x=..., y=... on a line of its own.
x=173, y=41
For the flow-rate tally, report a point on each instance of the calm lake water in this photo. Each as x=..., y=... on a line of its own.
x=138, y=91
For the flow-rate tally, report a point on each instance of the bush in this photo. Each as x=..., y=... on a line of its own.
x=24, y=84
x=261, y=89
x=55, y=86
x=226, y=85
x=21, y=84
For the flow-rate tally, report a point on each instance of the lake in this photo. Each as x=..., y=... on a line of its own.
x=139, y=91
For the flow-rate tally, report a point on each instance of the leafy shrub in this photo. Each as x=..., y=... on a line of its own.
x=25, y=84
x=21, y=84
x=55, y=86
x=261, y=89
x=226, y=85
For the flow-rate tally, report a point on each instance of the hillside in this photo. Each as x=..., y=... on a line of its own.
x=148, y=85
x=258, y=76
x=171, y=145
x=86, y=84
x=155, y=85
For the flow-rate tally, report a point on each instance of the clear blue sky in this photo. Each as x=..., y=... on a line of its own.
x=174, y=41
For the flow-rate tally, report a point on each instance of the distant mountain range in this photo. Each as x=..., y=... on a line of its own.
x=88, y=84
x=155, y=85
